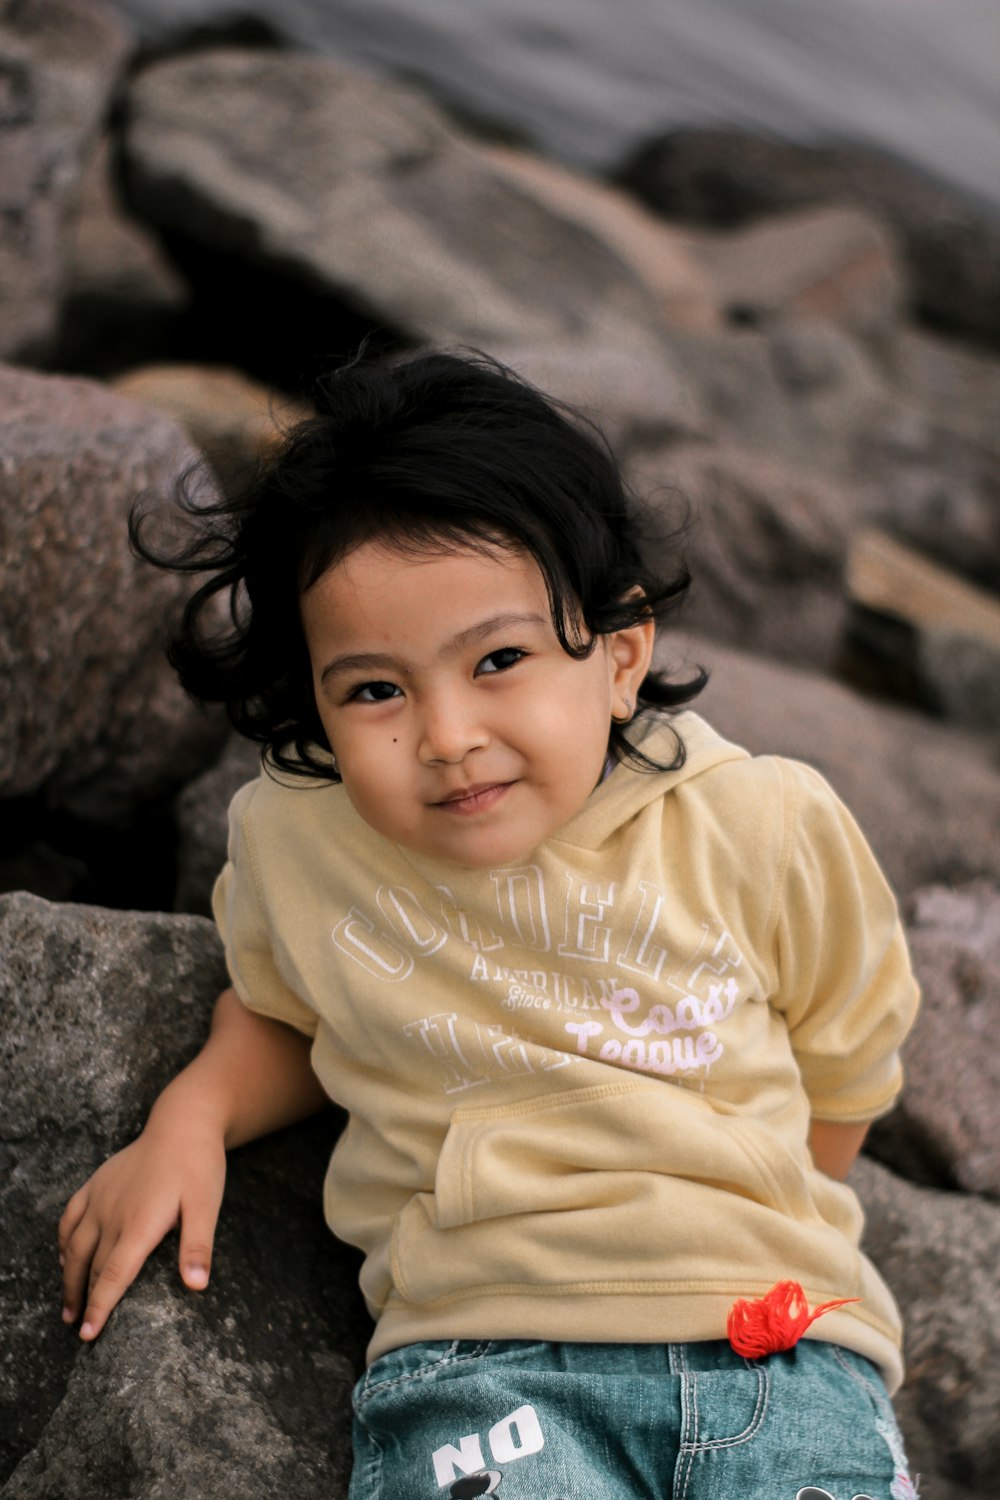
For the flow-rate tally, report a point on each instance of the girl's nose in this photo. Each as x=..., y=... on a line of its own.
x=450, y=728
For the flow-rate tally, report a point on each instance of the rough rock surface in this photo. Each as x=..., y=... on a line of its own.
x=725, y=177
x=918, y=631
x=805, y=394
x=765, y=543
x=203, y=826
x=939, y=1253
x=93, y=713
x=635, y=392
x=232, y=420
x=660, y=257
x=121, y=291
x=830, y=264
x=926, y=795
x=59, y=63
x=921, y=465
x=945, y=1130
x=359, y=187
x=243, y=1389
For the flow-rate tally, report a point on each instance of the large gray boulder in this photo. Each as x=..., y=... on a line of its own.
x=944, y=1131
x=802, y=394
x=634, y=392
x=939, y=1253
x=829, y=263
x=726, y=176
x=919, y=631
x=926, y=795
x=921, y=465
x=243, y=1389
x=766, y=544
x=60, y=61
x=359, y=188
x=201, y=817
x=93, y=714
x=121, y=292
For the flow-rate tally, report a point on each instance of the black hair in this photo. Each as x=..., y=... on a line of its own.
x=429, y=453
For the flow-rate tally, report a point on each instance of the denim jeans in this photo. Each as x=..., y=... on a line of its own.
x=540, y=1421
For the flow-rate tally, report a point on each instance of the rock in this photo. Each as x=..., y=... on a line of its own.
x=93, y=714
x=658, y=255
x=804, y=395
x=636, y=393
x=830, y=264
x=726, y=177
x=918, y=632
x=121, y=291
x=920, y=474
x=944, y=1130
x=243, y=1389
x=808, y=396
x=358, y=187
x=201, y=814
x=960, y=386
x=939, y=1253
x=926, y=795
x=60, y=61
x=766, y=547
x=232, y=420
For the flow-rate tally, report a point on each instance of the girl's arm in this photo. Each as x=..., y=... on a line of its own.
x=835, y=1147
x=251, y=1077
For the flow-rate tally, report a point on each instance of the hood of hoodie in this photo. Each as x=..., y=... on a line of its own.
x=624, y=793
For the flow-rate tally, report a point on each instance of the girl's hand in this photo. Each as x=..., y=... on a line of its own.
x=170, y=1176
x=252, y=1076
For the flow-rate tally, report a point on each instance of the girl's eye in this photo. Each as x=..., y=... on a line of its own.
x=373, y=692
x=499, y=661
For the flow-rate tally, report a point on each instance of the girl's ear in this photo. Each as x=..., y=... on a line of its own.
x=630, y=652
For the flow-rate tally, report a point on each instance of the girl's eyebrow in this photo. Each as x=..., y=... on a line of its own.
x=364, y=661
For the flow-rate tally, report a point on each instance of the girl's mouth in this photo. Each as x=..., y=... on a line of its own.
x=475, y=798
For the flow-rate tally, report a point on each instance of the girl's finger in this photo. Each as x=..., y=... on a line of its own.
x=77, y=1257
x=198, y=1223
x=110, y=1278
x=71, y=1216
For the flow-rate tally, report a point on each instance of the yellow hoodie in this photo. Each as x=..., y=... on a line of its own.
x=579, y=1088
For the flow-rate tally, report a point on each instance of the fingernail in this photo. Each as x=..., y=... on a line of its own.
x=87, y=1331
x=67, y=1315
x=196, y=1277
x=62, y=1258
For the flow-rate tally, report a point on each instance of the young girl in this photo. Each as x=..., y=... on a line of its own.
x=608, y=1002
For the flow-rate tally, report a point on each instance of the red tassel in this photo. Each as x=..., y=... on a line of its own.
x=775, y=1321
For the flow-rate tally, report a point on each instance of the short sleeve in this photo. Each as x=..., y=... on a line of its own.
x=242, y=921
x=844, y=980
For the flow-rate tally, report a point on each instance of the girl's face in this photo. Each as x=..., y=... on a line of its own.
x=461, y=728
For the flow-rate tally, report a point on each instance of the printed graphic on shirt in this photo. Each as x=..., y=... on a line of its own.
x=468, y=1054
x=613, y=987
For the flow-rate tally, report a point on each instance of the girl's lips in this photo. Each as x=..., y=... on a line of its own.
x=476, y=798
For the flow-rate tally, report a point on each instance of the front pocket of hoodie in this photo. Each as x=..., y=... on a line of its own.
x=630, y=1149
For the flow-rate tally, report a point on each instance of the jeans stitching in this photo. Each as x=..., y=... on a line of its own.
x=372, y=1472
x=426, y=1372
x=683, y=1449
x=884, y=1412
x=688, y=1449
x=749, y=1432
x=878, y=1398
